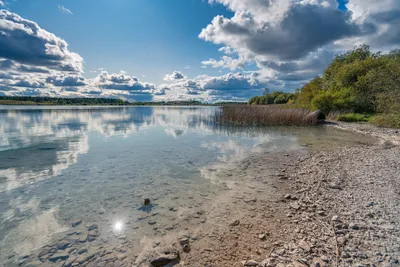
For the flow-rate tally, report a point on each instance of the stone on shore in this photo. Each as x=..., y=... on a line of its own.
x=251, y=263
x=163, y=257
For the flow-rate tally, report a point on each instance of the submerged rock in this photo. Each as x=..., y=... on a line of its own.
x=63, y=244
x=92, y=226
x=76, y=223
x=59, y=256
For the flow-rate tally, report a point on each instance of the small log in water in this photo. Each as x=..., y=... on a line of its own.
x=265, y=115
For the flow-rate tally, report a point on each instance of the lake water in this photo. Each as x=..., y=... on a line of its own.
x=60, y=165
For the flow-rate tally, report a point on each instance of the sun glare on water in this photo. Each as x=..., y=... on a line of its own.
x=118, y=226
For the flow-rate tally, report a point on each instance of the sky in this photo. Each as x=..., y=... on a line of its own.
x=207, y=50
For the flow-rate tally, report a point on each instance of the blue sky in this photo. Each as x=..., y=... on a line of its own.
x=142, y=37
x=209, y=50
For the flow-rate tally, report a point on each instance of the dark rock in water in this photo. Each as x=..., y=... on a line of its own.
x=83, y=238
x=146, y=202
x=63, y=244
x=70, y=261
x=59, y=256
x=94, y=233
x=92, y=226
x=46, y=250
x=163, y=257
x=34, y=264
x=91, y=235
x=186, y=248
x=82, y=250
x=76, y=223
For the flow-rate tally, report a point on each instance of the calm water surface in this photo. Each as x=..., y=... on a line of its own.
x=60, y=164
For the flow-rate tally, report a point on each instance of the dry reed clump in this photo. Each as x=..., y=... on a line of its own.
x=265, y=115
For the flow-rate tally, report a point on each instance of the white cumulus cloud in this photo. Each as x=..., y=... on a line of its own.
x=176, y=75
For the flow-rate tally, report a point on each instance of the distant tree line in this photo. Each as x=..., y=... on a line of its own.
x=223, y=103
x=34, y=100
x=39, y=100
x=168, y=103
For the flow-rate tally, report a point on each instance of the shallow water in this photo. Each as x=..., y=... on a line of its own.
x=97, y=164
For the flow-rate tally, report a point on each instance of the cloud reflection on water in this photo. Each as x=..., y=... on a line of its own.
x=39, y=144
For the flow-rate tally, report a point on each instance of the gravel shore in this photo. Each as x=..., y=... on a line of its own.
x=331, y=208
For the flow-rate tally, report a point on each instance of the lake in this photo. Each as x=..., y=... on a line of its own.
x=66, y=169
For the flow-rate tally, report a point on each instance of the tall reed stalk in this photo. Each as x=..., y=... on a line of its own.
x=265, y=115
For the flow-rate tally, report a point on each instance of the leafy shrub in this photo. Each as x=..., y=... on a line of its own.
x=353, y=117
x=386, y=120
x=358, y=81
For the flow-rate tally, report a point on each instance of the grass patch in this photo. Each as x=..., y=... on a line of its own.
x=354, y=117
x=386, y=120
x=265, y=115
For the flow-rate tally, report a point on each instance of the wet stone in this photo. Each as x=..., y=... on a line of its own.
x=59, y=256
x=73, y=239
x=93, y=233
x=76, y=223
x=164, y=257
x=46, y=251
x=251, y=263
x=92, y=226
x=83, y=238
x=63, y=244
x=121, y=257
x=33, y=264
x=82, y=250
x=70, y=261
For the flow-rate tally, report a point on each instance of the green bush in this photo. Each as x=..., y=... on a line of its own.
x=386, y=120
x=358, y=81
x=278, y=97
x=353, y=117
